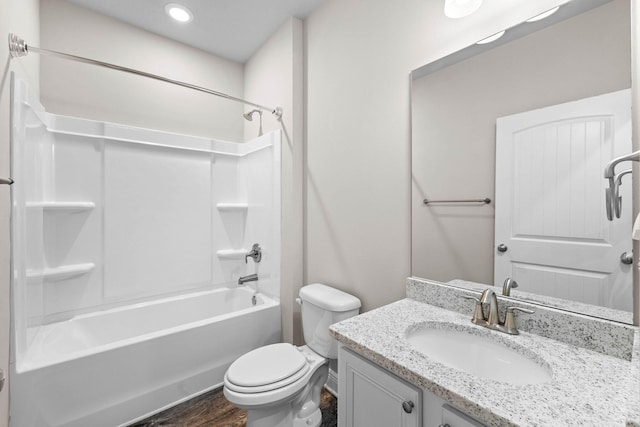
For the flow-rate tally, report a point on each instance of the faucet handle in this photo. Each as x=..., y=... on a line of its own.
x=478, y=315
x=256, y=253
x=510, y=320
x=524, y=310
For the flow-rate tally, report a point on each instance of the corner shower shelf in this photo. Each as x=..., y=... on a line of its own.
x=232, y=207
x=232, y=253
x=63, y=272
x=62, y=207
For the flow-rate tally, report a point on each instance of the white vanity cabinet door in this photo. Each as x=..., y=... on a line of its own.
x=373, y=397
x=453, y=418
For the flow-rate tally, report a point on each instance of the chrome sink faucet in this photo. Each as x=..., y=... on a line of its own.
x=509, y=284
x=489, y=297
x=492, y=319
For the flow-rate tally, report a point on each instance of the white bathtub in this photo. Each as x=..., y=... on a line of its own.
x=118, y=366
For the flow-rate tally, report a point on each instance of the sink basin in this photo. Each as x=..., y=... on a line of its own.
x=478, y=355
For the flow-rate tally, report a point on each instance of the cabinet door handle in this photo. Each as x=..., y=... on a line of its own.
x=444, y=425
x=407, y=405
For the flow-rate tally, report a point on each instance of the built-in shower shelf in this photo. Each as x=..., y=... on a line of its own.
x=62, y=207
x=232, y=253
x=232, y=207
x=62, y=272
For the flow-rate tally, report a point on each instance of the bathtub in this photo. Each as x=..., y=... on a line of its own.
x=114, y=367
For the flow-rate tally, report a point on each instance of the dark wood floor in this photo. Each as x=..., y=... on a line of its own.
x=213, y=410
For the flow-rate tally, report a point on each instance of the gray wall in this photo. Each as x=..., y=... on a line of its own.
x=87, y=91
x=274, y=76
x=358, y=183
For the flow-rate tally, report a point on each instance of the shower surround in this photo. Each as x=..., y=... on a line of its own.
x=127, y=247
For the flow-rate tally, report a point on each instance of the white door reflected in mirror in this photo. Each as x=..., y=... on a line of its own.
x=549, y=201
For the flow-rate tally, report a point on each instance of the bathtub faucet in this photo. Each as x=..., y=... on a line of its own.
x=250, y=278
x=256, y=254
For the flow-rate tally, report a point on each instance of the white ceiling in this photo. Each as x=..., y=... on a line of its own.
x=233, y=29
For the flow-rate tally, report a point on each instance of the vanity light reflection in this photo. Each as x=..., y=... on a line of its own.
x=536, y=18
x=492, y=38
x=543, y=15
x=460, y=8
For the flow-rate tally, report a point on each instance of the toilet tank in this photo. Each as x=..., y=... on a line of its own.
x=323, y=306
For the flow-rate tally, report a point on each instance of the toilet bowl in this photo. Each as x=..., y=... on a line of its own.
x=274, y=382
x=280, y=385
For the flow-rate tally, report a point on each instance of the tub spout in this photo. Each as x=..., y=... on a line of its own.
x=250, y=278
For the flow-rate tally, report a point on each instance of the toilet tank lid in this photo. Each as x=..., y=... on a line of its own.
x=329, y=298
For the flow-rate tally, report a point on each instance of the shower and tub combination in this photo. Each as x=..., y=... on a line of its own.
x=128, y=246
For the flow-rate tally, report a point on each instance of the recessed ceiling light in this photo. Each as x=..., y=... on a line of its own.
x=460, y=8
x=544, y=14
x=492, y=38
x=178, y=12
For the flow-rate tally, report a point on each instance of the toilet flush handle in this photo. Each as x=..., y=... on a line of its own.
x=299, y=301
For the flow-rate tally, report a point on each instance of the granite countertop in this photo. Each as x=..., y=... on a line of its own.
x=633, y=418
x=564, y=304
x=587, y=389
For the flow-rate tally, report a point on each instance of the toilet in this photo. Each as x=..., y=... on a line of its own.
x=280, y=385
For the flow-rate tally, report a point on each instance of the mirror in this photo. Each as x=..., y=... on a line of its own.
x=510, y=121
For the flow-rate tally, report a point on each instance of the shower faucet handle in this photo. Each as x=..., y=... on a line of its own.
x=256, y=253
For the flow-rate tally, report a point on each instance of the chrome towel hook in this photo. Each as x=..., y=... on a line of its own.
x=611, y=192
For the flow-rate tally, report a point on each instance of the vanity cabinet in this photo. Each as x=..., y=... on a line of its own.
x=451, y=417
x=373, y=397
x=370, y=396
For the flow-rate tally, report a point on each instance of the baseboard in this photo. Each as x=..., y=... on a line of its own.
x=332, y=383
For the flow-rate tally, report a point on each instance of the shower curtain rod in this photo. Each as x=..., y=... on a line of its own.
x=18, y=47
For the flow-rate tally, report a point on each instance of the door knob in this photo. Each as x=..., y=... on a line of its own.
x=626, y=258
x=408, y=405
x=502, y=247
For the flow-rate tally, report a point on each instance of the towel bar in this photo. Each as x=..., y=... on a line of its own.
x=483, y=201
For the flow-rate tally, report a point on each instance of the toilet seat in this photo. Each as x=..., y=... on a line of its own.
x=250, y=396
x=266, y=368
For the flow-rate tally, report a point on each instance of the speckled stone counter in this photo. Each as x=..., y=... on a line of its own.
x=633, y=418
x=567, y=305
x=604, y=336
x=587, y=389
